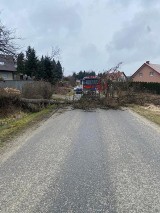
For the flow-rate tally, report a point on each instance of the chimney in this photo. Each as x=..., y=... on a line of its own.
x=147, y=62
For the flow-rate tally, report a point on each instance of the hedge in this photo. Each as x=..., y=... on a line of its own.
x=150, y=87
x=146, y=87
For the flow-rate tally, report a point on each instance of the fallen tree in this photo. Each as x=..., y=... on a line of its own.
x=44, y=101
x=35, y=105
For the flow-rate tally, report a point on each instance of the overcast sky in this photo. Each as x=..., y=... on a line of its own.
x=92, y=34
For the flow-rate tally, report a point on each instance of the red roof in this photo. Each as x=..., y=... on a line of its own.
x=155, y=67
x=116, y=75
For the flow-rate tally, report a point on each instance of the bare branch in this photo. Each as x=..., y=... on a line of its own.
x=55, y=54
x=7, y=44
x=114, y=69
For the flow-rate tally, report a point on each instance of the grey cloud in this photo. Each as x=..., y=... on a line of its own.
x=92, y=57
x=40, y=17
x=143, y=3
x=55, y=25
x=137, y=40
x=89, y=55
x=55, y=17
x=89, y=51
x=82, y=29
x=44, y=24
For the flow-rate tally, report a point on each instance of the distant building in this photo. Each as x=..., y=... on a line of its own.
x=7, y=67
x=147, y=73
x=78, y=82
x=117, y=76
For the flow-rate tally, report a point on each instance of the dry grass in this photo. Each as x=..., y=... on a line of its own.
x=10, y=126
x=141, y=98
x=9, y=101
x=151, y=112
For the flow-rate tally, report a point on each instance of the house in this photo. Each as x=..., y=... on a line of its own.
x=7, y=67
x=78, y=82
x=147, y=73
x=117, y=76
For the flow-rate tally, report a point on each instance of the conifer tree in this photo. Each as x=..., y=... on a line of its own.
x=31, y=65
x=48, y=70
x=41, y=71
x=59, y=71
x=20, y=63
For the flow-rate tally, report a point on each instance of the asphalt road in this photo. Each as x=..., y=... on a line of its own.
x=102, y=161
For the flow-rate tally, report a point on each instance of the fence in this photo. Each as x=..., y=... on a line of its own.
x=17, y=84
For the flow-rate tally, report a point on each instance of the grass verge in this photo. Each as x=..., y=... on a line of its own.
x=150, y=114
x=11, y=127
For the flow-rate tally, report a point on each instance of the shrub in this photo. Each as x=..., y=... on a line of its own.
x=9, y=99
x=9, y=96
x=37, y=90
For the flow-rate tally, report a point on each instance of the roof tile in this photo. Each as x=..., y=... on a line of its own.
x=156, y=67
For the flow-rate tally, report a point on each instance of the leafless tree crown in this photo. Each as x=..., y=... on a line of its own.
x=114, y=69
x=7, y=41
x=55, y=53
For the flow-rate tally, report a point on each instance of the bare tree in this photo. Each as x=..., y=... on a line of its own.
x=55, y=54
x=114, y=69
x=106, y=81
x=7, y=41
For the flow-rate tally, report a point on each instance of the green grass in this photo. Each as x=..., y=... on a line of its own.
x=151, y=115
x=9, y=127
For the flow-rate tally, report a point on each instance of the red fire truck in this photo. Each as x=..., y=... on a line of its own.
x=91, y=84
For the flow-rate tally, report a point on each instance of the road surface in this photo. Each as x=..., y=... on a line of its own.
x=102, y=161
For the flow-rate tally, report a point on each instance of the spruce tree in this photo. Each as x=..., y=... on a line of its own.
x=54, y=71
x=31, y=66
x=41, y=70
x=59, y=71
x=48, y=70
x=20, y=63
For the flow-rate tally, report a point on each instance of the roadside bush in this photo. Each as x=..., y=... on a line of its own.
x=9, y=100
x=9, y=96
x=37, y=90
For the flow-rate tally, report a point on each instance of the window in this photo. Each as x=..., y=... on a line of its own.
x=5, y=76
x=151, y=73
x=1, y=63
x=140, y=74
x=90, y=81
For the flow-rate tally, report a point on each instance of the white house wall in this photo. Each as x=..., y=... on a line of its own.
x=6, y=75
